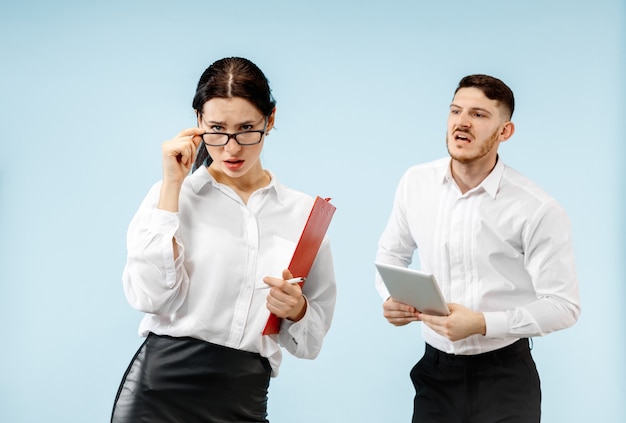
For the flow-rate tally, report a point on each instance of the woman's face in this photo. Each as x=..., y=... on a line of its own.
x=234, y=115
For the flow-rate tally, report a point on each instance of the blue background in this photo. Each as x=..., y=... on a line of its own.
x=89, y=90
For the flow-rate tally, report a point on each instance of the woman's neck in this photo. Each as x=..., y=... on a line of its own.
x=245, y=185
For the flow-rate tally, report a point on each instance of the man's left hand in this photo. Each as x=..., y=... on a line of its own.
x=459, y=324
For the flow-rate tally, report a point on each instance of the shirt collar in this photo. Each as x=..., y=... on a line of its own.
x=201, y=177
x=490, y=184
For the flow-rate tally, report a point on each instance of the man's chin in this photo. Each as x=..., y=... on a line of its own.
x=461, y=158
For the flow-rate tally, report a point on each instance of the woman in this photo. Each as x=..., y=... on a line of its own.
x=207, y=259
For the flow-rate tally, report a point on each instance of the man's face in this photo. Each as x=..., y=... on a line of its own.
x=475, y=127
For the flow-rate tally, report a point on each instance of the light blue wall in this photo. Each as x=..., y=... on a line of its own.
x=89, y=90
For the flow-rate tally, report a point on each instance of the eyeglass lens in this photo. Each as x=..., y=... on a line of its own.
x=243, y=138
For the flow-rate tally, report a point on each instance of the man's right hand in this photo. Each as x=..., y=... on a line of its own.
x=399, y=314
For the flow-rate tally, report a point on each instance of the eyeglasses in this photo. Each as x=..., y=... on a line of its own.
x=244, y=138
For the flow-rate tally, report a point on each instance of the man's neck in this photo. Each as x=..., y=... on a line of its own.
x=469, y=175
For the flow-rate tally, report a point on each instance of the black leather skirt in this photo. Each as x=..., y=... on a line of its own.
x=188, y=380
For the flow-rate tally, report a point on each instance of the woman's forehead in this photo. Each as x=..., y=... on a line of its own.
x=233, y=107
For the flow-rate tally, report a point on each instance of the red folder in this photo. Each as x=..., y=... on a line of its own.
x=306, y=250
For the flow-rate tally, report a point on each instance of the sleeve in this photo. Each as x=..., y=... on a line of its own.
x=153, y=281
x=396, y=244
x=304, y=338
x=549, y=260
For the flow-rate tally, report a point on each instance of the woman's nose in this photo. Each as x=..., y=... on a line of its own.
x=232, y=145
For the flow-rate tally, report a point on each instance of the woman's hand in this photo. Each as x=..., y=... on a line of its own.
x=178, y=156
x=285, y=300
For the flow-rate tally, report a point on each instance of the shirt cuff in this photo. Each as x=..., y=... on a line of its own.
x=495, y=324
x=298, y=330
x=163, y=222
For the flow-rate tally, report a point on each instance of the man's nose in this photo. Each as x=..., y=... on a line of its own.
x=462, y=120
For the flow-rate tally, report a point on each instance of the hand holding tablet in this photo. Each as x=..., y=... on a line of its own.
x=415, y=288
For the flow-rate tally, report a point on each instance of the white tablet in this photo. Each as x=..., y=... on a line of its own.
x=415, y=288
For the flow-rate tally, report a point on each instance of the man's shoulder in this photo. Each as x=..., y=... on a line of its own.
x=436, y=167
x=525, y=189
x=424, y=177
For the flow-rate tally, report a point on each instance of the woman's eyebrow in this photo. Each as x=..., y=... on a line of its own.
x=215, y=122
x=245, y=122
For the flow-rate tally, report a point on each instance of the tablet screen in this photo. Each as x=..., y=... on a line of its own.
x=415, y=288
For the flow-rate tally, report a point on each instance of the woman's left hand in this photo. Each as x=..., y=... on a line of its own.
x=285, y=300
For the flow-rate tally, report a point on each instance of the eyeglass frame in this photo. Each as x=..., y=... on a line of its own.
x=234, y=136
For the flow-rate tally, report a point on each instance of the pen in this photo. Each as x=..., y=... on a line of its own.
x=291, y=281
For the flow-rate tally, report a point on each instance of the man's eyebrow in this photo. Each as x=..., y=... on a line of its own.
x=480, y=109
x=474, y=109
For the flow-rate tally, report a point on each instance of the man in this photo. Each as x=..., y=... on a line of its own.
x=501, y=251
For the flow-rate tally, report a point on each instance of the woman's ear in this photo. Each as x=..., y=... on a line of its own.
x=270, y=121
x=198, y=118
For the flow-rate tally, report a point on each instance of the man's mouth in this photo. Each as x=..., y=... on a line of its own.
x=460, y=136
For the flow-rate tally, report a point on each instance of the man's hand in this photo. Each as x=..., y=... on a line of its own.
x=399, y=314
x=459, y=324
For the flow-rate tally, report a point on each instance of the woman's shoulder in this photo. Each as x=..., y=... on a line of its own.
x=290, y=196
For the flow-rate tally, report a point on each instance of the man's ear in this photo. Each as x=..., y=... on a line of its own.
x=507, y=131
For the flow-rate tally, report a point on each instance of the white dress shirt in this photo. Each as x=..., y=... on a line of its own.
x=214, y=290
x=503, y=248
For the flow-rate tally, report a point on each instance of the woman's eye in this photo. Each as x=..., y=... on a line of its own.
x=246, y=127
x=217, y=128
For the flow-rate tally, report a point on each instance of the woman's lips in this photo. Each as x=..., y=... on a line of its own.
x=233, y=164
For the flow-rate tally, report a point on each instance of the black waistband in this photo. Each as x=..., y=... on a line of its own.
x=510, y=352
x=187, y=343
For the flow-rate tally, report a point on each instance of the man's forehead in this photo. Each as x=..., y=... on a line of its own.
x=471, y=94
x=475, y=98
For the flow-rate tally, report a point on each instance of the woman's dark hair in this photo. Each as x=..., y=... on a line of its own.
x=493, y=88
x=227, y=78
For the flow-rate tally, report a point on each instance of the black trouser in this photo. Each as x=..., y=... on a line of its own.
x=185, y=380
x=498, y=386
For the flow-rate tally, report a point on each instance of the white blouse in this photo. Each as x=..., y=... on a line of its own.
x=214, y=290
